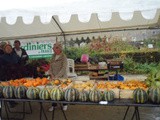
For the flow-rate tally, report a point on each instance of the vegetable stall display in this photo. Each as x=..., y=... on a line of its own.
x=82, y=91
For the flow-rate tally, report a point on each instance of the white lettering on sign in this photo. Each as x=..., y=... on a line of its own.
x=38, y=48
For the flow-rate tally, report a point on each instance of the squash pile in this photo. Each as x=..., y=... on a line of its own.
x=127, y=85
x=28, y=82
x=56, y=94
x=83, y=91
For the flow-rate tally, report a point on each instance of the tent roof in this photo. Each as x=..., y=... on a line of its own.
x=74, y=26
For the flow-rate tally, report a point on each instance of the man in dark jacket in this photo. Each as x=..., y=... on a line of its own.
x=30, y=71
x=20, y=52
x=9, y=63
x=9, y=67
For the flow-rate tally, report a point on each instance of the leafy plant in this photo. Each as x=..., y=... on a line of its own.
x=153, y=78
x=129, y=65
x=75, y=53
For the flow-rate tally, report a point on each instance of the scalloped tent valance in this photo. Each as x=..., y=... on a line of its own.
x=74, y=27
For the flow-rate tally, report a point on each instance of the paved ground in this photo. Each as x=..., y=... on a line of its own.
x=134, y=77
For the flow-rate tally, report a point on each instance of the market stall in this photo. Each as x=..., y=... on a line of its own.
x=115, y=93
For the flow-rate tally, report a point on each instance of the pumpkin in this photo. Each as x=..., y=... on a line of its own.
x=154, y=95
x=71, y=94
x=32, y=93
x=1, y=91
x=140, y=96
x=8, y=92
x=83, y=96
x=57, y=94
x=108, y=95
x=95, y=96
x=44, y=94
x=20, y=92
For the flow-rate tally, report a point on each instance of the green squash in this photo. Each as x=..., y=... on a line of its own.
x=95, y=95
x=154, y=95
x=71, y=94
x=20, y=92
x=108, y=95
x=44, y=94
x=140, y=96
x=83, y=96
x=57, y=94
x=32, y=93
x=8, y=92
x=1, y=91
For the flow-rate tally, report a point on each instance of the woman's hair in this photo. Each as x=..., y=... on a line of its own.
x=2, y=44
x=58, y=45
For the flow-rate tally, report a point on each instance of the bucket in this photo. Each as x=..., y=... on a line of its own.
x=116, y=77
x=102, y=64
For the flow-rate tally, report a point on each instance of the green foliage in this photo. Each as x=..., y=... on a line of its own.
x=153, y=78
x=143, y=68
x=75, y=53
x=130, y=66
x=158, y=44
x=138, y=61
x=120, y=46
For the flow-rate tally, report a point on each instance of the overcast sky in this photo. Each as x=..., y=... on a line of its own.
x=84, y=8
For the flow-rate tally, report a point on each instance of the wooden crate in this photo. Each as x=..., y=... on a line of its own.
x=82, y=65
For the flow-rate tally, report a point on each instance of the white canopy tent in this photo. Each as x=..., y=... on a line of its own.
x=20, y=29
x=74, y=26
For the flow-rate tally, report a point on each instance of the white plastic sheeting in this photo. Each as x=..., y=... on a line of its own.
x=37, y=29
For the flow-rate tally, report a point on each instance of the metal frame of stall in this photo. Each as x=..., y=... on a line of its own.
x=117, y=102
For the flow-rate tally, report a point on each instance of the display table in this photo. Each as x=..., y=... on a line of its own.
x=117, y=102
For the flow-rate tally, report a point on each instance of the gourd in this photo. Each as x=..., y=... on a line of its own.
x=108, y=95
x=44, y=94
x=20, y=92
x=154, y=95
x=1, y=91
x=32, y=93
x=83, y=96
x=71, y=94
x=140, y=96
x=95, y=95
x=57, y=94
x=8, y=92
